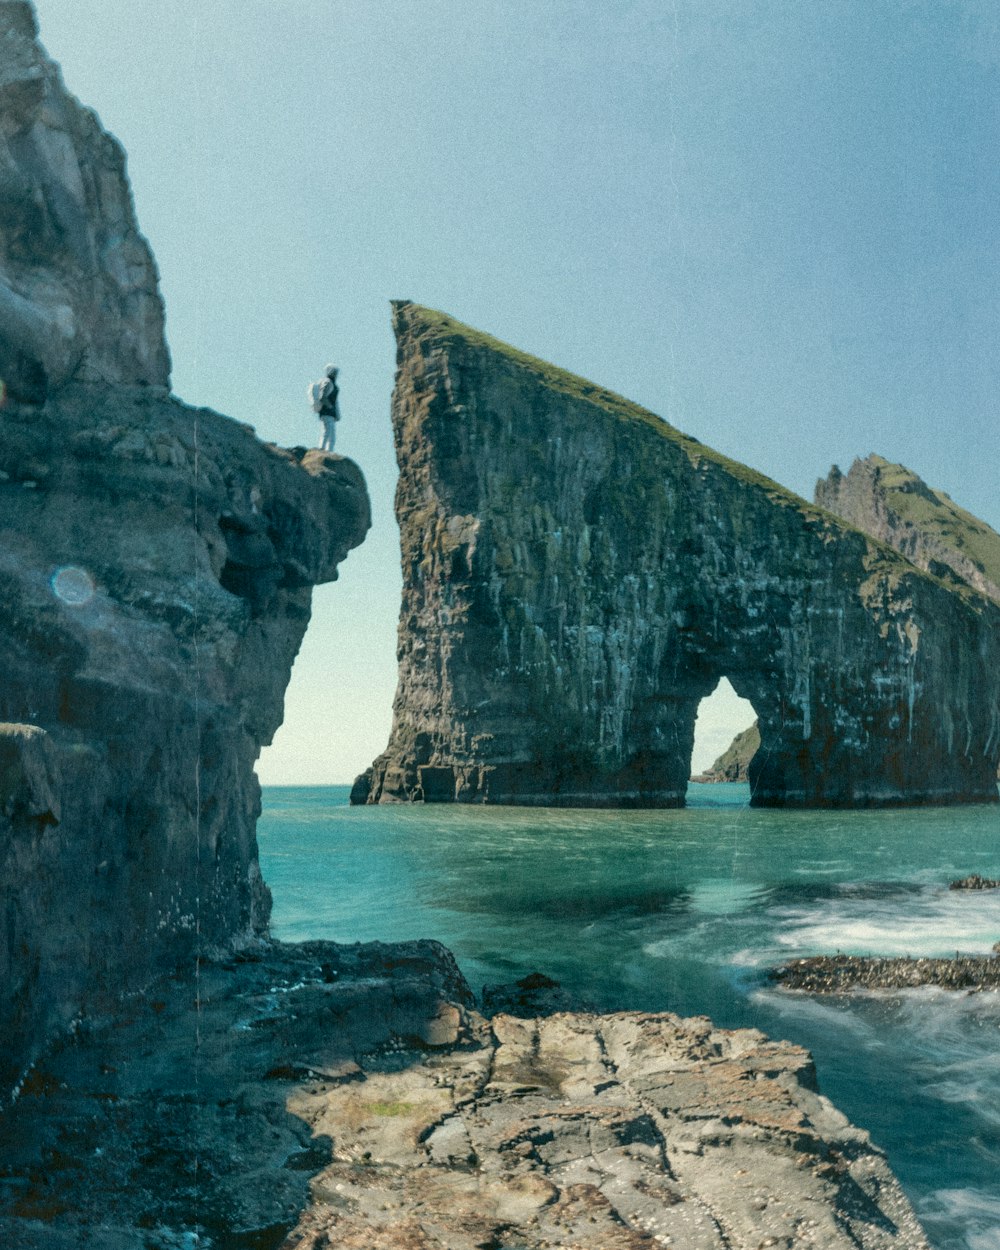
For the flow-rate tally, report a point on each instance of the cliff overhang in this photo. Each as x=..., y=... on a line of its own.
x=156, y=568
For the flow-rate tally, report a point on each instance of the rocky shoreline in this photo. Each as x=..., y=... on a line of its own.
x=354, y=1097
x=837, y=974
x=158, y=567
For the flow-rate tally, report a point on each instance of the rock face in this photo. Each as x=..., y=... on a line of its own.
x=895, y=505
x=578, y=575
x=78, y=286
x=156, y=566
x=734, y=763
x=422, y=1124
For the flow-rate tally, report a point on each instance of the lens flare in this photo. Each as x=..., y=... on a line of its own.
x=73, y=585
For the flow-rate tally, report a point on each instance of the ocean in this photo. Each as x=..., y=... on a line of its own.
x=684, y=911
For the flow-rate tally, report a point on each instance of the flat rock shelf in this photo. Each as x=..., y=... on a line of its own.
x=353, y=1096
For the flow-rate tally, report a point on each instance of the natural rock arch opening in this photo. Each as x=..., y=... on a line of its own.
x=726, y=736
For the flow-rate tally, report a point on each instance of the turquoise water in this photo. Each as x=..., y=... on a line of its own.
x=683, y=911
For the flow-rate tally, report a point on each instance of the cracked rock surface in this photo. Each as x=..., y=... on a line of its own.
x=621, y=1131
x=352, y=1097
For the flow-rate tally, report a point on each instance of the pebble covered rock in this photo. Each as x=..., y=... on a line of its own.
x=836, y=974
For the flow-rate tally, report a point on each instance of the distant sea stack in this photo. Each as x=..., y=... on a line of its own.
x=734, y=763
x=578, y=575
x=893, y=504
x=157, y=563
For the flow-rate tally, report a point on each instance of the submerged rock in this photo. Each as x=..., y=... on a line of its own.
x=577, y=575
x=534, y=995
x=353, y=1097
x=156, y=569
x=975, y=882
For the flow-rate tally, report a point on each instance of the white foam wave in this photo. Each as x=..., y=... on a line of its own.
x=748, y=957
x=814, y=1012
x=722, y=896
x=959, y=1026
x=820, y=867
x=975, y=1212
x=977, y=1094
x=930, y=922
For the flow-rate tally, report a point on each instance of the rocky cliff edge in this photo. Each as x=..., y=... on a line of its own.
x=156, y=567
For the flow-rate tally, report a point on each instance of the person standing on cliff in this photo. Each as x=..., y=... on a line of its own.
x=323, y=396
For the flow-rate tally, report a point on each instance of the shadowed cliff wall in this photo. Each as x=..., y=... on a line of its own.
x=156, y=568
x=578, y=575
x=78, y=284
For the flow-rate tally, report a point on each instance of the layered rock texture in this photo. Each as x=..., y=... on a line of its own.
x=578, y=575
x=352, y=1097
x=840, y=974
x=78, y=286
x=156, y=565
x=897, y=506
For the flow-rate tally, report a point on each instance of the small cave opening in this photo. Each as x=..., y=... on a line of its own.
x=725, y=740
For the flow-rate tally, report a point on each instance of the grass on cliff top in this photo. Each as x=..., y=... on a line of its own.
x=440, y=325
x=881, y=558
x=932, y=511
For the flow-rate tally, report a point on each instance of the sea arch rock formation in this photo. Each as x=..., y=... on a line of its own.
x=578, y=575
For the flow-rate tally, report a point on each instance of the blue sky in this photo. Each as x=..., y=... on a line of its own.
x=774, y=222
